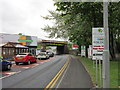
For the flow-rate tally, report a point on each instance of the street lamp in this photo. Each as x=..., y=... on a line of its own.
x=106, y=62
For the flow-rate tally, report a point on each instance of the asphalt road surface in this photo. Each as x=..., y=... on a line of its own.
x=64, y=71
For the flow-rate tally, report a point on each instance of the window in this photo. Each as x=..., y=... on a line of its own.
x=29, y=54
x=21, y=55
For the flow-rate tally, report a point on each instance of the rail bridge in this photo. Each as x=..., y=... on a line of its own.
x=62, y=47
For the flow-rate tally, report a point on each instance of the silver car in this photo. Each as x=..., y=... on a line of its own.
x=43, y=55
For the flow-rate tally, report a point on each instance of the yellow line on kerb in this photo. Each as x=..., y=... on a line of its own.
x=55, y=79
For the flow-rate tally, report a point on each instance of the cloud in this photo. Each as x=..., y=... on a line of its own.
x=24, y=16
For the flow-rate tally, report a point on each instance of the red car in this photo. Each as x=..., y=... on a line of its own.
x=26, y=58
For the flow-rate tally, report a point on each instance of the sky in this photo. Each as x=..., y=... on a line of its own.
x=24, y=16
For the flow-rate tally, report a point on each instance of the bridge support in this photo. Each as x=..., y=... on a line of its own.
x=62, y=49
x=43, y=47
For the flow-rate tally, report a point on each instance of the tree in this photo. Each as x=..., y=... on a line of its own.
x=76, y=19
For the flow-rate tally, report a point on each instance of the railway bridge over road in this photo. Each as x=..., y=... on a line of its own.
x=62, y=46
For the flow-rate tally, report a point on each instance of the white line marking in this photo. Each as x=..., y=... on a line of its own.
x=26, y=67
x=36, y=64
x=9, y=75
x=10, y=72
x=62, y=77
x=21, y=71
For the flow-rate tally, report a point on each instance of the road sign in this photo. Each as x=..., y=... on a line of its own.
x=83, y=51
x=74, y=46
x=90, y=51
x=98, y=43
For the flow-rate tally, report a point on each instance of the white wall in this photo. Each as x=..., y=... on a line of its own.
x=14, y=38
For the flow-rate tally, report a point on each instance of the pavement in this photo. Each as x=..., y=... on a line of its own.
x=76, y=76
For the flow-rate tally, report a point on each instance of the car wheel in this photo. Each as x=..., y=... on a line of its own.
x=35, y=61
x=17, y=63
x=8, y=67
x=28, y=62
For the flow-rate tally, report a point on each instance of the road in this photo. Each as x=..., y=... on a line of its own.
x=63, y=71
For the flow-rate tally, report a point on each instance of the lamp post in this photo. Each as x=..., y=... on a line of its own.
x=106, y=63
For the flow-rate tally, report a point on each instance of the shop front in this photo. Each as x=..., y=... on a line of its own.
x=10, y=49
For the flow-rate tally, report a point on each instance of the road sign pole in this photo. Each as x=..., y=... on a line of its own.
x=106, y=74
x=100, y=71
x=96, y=73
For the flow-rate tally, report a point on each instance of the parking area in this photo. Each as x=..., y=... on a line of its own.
x=19, y=68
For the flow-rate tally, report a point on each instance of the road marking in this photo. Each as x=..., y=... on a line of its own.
x=35, y=64
x=13, y=73
x=58, y=77
x=25, y=67
x=62, y=77
x=10, y=75
x=55, y=79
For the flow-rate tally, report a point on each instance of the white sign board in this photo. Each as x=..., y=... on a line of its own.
x=74, y=46
x=98, y=43
x=83, y=51
x=90, y=51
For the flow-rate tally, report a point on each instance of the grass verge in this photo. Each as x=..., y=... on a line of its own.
x=88, y=63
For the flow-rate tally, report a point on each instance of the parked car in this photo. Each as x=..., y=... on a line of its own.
x=43, y=55
x=51, y=54
x=5, y=65
x=26, y=58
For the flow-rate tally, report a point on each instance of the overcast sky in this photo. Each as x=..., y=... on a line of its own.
x=24, y=16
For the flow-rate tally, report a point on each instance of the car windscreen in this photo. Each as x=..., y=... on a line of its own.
x=42, y=53
x=21, y=55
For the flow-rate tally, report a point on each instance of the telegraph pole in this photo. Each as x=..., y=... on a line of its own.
x=106, y=63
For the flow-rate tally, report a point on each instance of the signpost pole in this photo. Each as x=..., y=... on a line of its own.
x=96, y=73
x=106, y=74
x=100, y=72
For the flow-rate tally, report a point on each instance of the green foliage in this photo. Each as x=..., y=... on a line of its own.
x=57, y=30
x=74, y=20
x=114, y=79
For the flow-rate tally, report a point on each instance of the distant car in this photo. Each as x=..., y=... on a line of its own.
x=51, y=54
x=5, y=65
x=26, y=58
x=43, y=55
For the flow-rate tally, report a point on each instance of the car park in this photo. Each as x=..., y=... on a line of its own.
x=26, y=58
x=43, y=55
x=5, y=65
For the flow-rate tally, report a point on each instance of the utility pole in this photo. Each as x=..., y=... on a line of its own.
x=106, y=63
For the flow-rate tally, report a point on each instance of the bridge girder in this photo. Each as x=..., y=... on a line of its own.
x=61, y=45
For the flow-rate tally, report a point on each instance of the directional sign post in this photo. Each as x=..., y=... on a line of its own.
x=98, y=43
x=83, y=52
x=98, y=47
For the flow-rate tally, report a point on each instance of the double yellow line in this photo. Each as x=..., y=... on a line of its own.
x=56, y=78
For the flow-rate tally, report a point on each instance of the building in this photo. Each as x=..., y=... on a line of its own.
x=15, y=40
x=10, y=49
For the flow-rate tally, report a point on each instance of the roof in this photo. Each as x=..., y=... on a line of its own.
x=1, y=44
x=13, y=44
x=20, y=46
